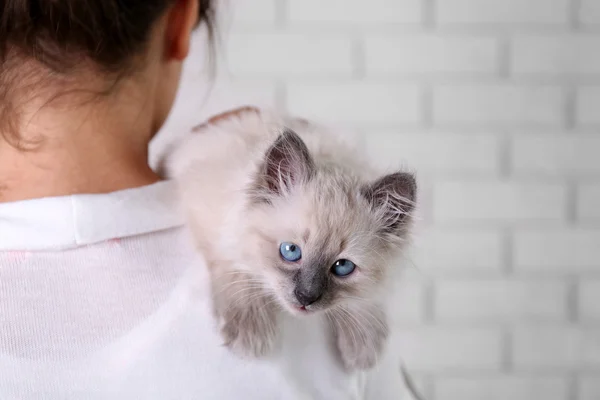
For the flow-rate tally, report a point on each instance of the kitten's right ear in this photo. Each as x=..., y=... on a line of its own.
x=287, y=162
x=394, y=196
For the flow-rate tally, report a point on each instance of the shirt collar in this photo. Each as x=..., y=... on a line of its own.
x=55, y=223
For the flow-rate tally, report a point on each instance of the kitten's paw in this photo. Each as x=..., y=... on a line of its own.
x=249, y=331
x=359, y=357
x=360, y=346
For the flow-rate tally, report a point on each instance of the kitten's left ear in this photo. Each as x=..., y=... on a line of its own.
x=287, y=162
x=394, y=196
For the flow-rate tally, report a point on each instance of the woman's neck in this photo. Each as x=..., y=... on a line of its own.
x=74, y=150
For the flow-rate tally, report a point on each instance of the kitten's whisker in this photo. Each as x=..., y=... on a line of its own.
x=244, y=283
x=242, y=302
x=245, y=288
x=354, y=323
x=248, y=290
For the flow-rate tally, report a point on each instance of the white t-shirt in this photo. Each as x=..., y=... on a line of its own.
x=104, y=297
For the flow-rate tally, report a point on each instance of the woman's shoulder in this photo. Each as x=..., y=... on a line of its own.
x=65, y=222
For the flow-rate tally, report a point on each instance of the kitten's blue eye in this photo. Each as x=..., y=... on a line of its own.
x=290, y=251
x=343, y=267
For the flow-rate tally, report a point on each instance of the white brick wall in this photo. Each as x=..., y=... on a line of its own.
x=500, y=301
x=588, y=100
x=588, y=197
x=528, y=12
x=253, y=12
x=551, y=349
x=589, y=306
x=464, y=154
x=564, y=249
x=589, y=388
x=352, y=102
x=556, y=54
x=499, y=202
x=354, y=12
x=590, y=12
x=282, y=54
x=481, y=251
x=443, y=349
x=496, y=105
x=556, y=154
x=421, y=54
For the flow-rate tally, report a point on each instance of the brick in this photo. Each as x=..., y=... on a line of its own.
x=356, y=102
x=528, y=12
x=443, y=349
x=557, y=155
x=355, y=11
x=422, y=54
x=556, y=54
x=500, y=301
x=452, y=251
x=498, y=104
x=589, y=387
x=437, y=153
x=589, y=300
x=283, y=54
x=502, y=388
x=253, y=12
x=505, y=202
x=588, y=101
x=568, y=250
x=588, y=202
x=589, y=14
x=546, y=348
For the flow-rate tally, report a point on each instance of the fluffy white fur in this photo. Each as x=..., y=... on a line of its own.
x=248, y=186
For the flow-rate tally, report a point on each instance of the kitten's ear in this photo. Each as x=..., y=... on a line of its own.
x=393, y=196
x=287, y=162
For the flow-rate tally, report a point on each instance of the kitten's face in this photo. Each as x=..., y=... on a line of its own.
x=324, y=239
x=320, y=247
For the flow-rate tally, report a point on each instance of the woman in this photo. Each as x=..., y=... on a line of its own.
x=101, y=292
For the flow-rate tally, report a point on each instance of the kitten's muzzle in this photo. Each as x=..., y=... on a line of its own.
x=307, y=297
x=311, y=284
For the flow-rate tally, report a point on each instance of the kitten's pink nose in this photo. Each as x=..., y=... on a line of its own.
x=307, y=297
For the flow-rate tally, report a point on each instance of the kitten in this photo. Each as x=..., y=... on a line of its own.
x=290, y=218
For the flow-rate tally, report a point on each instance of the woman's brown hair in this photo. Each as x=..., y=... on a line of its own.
x=61, y=34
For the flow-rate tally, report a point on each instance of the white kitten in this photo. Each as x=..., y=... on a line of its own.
x=289, y=218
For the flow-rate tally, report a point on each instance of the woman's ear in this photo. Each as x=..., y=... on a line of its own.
x=181, y=21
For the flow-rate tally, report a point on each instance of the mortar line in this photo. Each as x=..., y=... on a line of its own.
x=504, y=56
x=574, y=13
x=426, y=101
x=505, y=155
x=506, y=351
x=571, y=202
x=570, y=107
x=281, y=13
x=281, y=97
x=573, y=387
x=508, y=251
x=358, y=57
x=573, y=301
x=428, y=14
